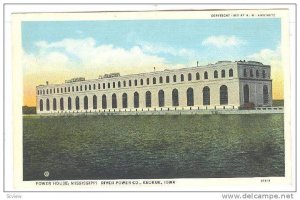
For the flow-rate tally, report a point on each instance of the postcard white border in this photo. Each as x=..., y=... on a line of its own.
x=212, y=184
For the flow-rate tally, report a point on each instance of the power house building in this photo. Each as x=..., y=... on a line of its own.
x=223, y=85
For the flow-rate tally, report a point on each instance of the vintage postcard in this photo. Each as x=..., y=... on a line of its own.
x=152, y=101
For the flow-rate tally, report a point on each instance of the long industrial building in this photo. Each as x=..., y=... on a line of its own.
x=223, y=85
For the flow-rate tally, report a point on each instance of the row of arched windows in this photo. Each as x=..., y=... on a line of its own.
x=250, y=73
x=148, y=99
x=135, y=82
x=223, y=73
x=136, y=99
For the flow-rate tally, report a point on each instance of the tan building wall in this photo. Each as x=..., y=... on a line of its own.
x=235, y=89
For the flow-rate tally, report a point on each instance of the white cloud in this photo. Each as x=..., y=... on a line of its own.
x=44, y=62
x=85, y=57
x=223, y=41
x=166, y=49
x=268, y=56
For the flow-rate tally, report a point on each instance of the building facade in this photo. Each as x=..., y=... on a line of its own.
x=223, y=85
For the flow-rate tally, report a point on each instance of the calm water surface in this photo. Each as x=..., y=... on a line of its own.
x=117, y=147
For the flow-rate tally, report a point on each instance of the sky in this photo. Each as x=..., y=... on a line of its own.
x=58, y=50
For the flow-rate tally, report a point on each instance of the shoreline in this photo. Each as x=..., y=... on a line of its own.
x=267, y=110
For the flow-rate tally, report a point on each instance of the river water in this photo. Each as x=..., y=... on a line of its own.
x=136, y=147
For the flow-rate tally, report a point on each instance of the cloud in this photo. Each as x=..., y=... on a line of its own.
x=223, y=41
x=166, y=49
x=268, y=56
x=44, y=62
x=85, y=54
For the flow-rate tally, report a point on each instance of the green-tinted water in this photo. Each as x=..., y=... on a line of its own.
x=190, y=146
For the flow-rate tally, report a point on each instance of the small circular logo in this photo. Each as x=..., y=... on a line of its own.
x=46, y=173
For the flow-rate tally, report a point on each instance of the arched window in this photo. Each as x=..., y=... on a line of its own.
x=81, y=88
x=205, y=75
x=119, y=84
x=161, y=98
x=246, y=93
x=251, y=72
x=265, y=94
x=114, y=84
x=114, y=100
x=124, y=83
x=103, y=86
x=85, y=87
x=197, y=76
x=148, y=81
x=76, y=88
x=167, y=79
x=129, y=83
x=54, y=104
x=104, y=102
x=69, y=103
x=94, y=102
x=154, y=80
x=99, y=86
x=245, y=72
x=57, y=90
x=161, y=79
x=189, y=77
x=47, y=105
x=174, y=78
x=206, y=95
x=215, y=74
x=124, y=100
x=68, y=89
x=94, y=86
x=148, y=99
x=90, y=87
x=223, y=95
x=135, y=82
x=142, y=82
x=182, y=77
x=264, y=74
x=108, y=85
x=41, y=105
x=77, y=105
x=86, y=102
x=61, y=106
x=175, y=98
x=47, y=91
x=257, y=73
x=136, y=100
x=190, y=97
x=230, y=72
x=223, y=73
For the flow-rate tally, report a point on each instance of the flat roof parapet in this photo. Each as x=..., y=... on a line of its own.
x=77, y=79
x=110, y=75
